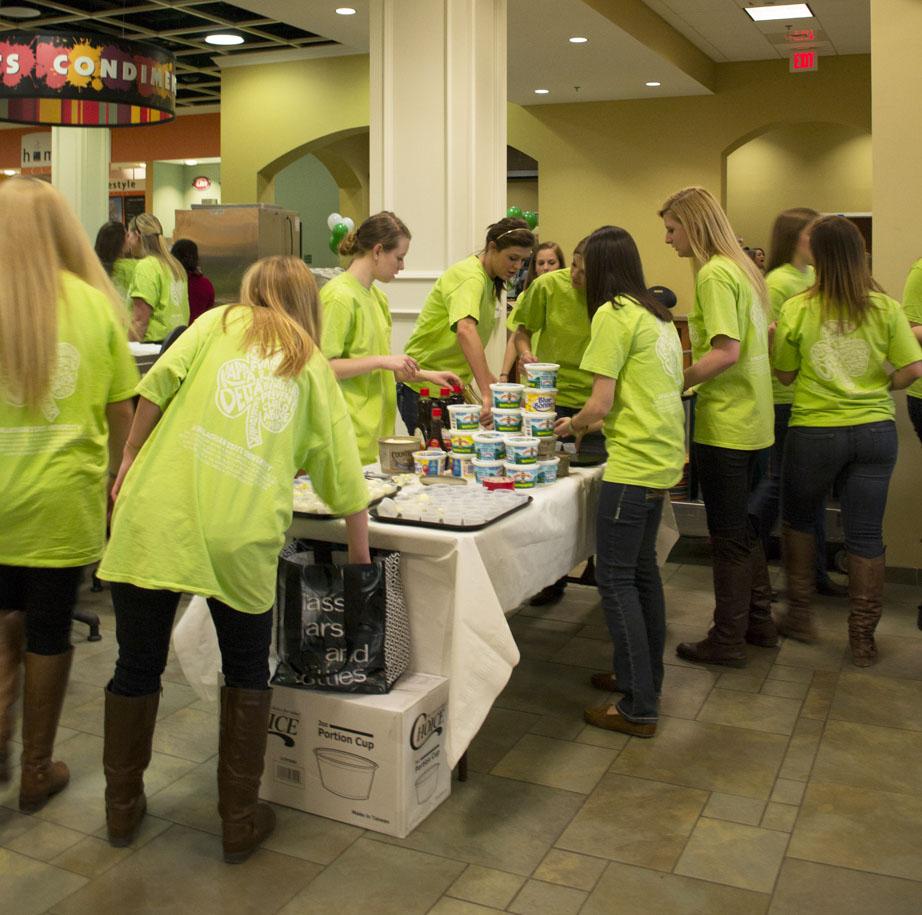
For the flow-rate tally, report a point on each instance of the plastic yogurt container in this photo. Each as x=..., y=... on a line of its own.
x=507, y=420
x=524, y=476
x=464, y=416
x=541, y=425
x=462, y=441
x=489, y=446
x=507, y=396
x=429, y=463
x=541, y=400
x=484, y=469
x=462, y=465
x=521, y=449
x=549, y=470
x=542, y=374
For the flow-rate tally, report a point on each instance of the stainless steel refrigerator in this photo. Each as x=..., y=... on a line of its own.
x=230, y=238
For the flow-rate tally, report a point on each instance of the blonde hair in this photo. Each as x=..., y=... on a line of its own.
x=153, y=244
x=281, y=295
x=40, y=236
x=709, y=233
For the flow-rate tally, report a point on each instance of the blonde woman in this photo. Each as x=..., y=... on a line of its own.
x=159, y=288
x=65, y=407
x=225, y=420
x=734, y=418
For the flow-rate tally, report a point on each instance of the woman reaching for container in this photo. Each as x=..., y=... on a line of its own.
x=357, y=331
x=226, y=417
x=65, y=408
x=635, y=358
x=159, y=288
x=733, y=419
x=459, y=314
x=846, y=345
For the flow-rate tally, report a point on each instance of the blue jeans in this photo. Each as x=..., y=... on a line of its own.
x=859, y=460
x=632, y=593
x=765, y=502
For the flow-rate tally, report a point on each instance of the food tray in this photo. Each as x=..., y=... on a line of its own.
x=434, y=525
x=324, y=517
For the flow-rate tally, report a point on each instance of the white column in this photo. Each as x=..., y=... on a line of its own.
x=438, y=136
x=80, y=171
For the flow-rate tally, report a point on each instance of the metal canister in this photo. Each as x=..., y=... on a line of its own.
x=396, y=453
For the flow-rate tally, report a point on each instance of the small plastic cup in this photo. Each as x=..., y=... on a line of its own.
x=524, y=476
x=541, y=400
x=507, y=420
x=464, y=416
x=521, y=449
x=507, y=396
x=541, y=374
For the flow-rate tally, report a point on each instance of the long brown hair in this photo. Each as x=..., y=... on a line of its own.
x=786, y=233
x=509, y=232
x=384, y=228
x=709, y=233
x=153, y=244
x=281, y=296
x=544, y=246
x=40, y=236
x=843, y=280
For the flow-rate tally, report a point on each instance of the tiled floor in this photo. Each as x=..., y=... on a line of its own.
x=794, y=785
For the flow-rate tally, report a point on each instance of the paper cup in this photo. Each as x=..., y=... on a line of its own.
x=541, y=374
x=464, y=416
x=507, y=396
x=541, y=400
x=521, y=449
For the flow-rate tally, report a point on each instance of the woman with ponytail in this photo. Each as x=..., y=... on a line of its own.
x=159, y=288
x=226, y=418
x=356, y=335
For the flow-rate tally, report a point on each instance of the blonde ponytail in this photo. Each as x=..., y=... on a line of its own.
x=148, y=228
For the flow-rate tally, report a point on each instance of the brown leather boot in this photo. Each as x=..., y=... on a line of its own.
x=12, y=647
x=799, y=549
x=244, y=729
x=43, y=696
x=761, y=630
x=129, y=731
x=865, y=594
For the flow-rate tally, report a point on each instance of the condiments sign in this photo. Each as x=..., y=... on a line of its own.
x=81, y=79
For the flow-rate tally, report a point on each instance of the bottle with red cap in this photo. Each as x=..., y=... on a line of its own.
x=424, y=414
x=437, y=439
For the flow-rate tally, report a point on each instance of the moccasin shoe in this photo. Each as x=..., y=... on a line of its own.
x=610, y=719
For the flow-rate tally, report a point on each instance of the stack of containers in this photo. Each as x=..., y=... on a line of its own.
x=540, y=413
x=465, y=421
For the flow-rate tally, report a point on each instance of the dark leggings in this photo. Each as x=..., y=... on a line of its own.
x=914, y=405
x=144, y=622
x=48, y=597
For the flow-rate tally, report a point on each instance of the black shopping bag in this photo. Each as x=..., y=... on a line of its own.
x=341, y=627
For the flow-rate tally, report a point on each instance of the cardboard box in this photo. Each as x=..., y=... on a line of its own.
x=377, y=762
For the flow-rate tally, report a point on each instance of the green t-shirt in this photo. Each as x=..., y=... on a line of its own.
x=645, y=430
x=464, y=290
x=206, y=504
x=555, y=309
x=842, y=379
x=783, y=283
x=54, y=460
x=734, y=409
x=356, y=323
x=154, y=282
x=122, y=278
x=912, y=305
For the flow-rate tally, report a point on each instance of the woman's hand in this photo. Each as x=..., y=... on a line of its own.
x=486, y=412
x=443, y=379
x=526, y=357
x=401, y=365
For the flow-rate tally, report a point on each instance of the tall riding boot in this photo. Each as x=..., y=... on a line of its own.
x=799, y=549
x=43, y=696
x=726, y=642
x=129, y=732
x=761, y=630
x=244, y=729
x=12, y=645
x=865, y=594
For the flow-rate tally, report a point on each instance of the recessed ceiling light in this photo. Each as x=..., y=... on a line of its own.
x=542, y=91
x=779, y=11
x=191, y=161
x=20, y=12
x=653, y=84
x=578, y=39
x=224, y=38
x=345, y=11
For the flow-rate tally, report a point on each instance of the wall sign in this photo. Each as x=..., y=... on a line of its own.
x=81, y=79
x=804, y=62
x=201, y=183
x=35, y=149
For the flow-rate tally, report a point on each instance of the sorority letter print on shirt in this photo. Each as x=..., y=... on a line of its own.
x=836, y=358
x=669, y=350
x=63, y=382
x=249, y=387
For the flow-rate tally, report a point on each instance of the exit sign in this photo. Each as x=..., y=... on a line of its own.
x=804, y=61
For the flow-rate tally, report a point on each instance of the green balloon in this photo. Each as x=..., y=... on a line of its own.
x=514, y=212
x=531, y=217
x=340, y=231
x=334, y=244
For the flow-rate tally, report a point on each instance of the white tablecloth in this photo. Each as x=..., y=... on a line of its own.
x=459, y=586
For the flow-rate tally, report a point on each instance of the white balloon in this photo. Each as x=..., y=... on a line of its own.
x=332, y=219
x=349, y=222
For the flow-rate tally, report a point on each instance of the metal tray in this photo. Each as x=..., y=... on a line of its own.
x=409, y=522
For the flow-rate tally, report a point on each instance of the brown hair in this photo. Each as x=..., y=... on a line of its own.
x=509, y=233
x=153, y=243
x=786, y=233
x=544, y=246
x=281, y=295
x=843, y=280
x=384, y=228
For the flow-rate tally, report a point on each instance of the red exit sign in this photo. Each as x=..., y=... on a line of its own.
x=804, y=61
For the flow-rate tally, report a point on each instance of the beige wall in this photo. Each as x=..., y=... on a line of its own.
x=523, y=193
x=823, y=166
